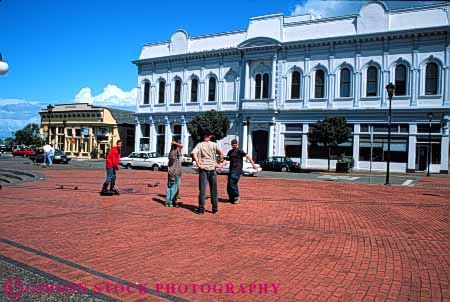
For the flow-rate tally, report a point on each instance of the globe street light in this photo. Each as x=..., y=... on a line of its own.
x=3, y=65
x=390, y=90
x=430, y=118
x=49, y=109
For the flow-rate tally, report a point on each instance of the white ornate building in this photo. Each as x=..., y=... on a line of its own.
x=282, y=74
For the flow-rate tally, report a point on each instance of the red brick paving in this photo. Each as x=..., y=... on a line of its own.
x=320, y=241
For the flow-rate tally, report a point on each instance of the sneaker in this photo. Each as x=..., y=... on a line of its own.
x=214, y=211
x=236, y=201
x=199, y=212
x=117, y=192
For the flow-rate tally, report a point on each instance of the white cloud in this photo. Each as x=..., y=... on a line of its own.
x=111, y=96
x=329, y=8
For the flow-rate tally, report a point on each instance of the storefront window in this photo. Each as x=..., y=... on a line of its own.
x=293, y=145
x=160, y=139
x=379, y=145
x=321, y=152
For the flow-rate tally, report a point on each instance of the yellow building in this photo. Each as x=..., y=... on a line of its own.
x=85, y=131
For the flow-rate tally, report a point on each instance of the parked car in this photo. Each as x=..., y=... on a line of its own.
x=280, y=163
x=144, y=159
x=186, y=160
x=247, y=168
x=59, y=157
x=22, y=151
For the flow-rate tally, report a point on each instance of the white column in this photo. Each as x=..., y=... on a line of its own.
x=271, y=137
x=356, y=146
x=445, y=144
x=412, y=140
x=274, y=76
x=184, y=137
x=307, y=88
x=153, y=136
x=137, y=136
x=244, y=136
x=305, y=146
x=331, y=84
x=167, y=136
x=446, y=74
x=414, y=78
x=247, y=80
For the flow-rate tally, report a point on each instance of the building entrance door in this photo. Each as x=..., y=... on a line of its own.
x=260, y=145
x=102, y=150
x=422, y=157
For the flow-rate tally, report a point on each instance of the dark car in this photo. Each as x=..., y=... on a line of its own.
x=280, y=163
x=58, y=158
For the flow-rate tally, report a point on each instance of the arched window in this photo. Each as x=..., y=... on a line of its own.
x=258, y=86
x=295, y=85
x=177, y=92
x=372, y=81
x=265, y=90
x=400, y=80
x=319, y=87
x=194, y=90
x=345, y=83
x=147, y=92
x=212, y=89
x=431, y=79
x=162, y=88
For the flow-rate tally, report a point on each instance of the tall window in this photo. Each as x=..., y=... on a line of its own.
x=265, y=90
x=177, y=94
x=258, y=86
x=319, y=89
x=146, y=93
x=400, y=80
x=431, y=79
x=176, y=135
x=372, y=81
x=194, y=90
x=162, y=88
x=345, y=83
x=160, y=135
x=212, y=89
x=295, y=85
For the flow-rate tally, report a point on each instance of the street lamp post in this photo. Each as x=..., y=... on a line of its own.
x=3, y=65
x=430, y=118
x=390, y=90
x=49, y=110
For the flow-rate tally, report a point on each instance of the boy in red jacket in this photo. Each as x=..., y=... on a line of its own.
x=112, y=165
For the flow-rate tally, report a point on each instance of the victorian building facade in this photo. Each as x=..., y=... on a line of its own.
x=282, y=74
x=86, y=131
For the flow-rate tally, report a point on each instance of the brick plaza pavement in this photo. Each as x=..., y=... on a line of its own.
x=318, y=241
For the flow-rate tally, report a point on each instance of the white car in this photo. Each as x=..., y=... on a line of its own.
x=145, y=160
x=247, y=169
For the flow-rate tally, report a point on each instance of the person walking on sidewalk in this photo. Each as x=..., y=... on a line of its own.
x=48, y=155
x=205, y=155
x=236, y=158
x=174, y=174
x=112, y=165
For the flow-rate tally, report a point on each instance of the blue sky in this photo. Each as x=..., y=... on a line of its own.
x=56, y=48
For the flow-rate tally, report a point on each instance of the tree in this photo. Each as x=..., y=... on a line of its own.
x=29, y=135
x=329, y=133
x=211, y=121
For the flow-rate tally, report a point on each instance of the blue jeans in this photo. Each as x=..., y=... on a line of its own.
x=110, y=175
x=48, y=159
x=172, y=189
x=232, y=185
x=204, y=177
